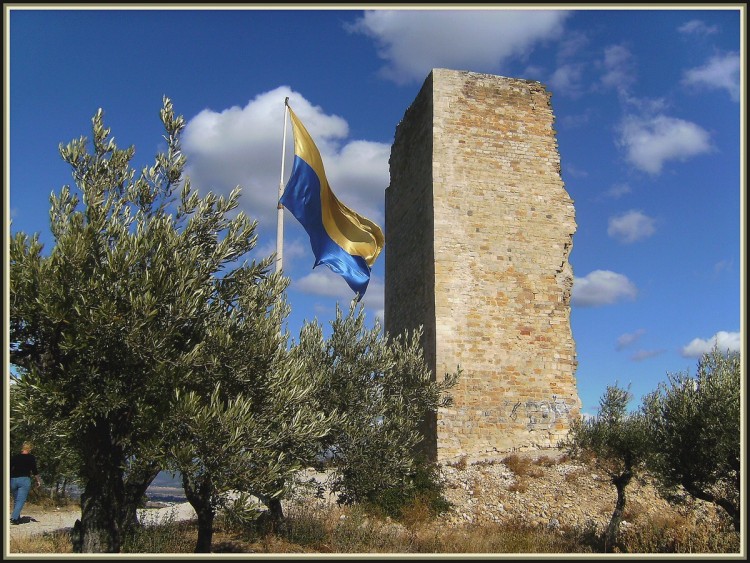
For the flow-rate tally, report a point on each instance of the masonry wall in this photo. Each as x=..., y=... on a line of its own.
x=479, y=230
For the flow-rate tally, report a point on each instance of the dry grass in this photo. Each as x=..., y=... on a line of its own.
x=460, y=464
x=333, y=529
x=56, y=542
x=522, y=466
x=660, y=533
x=546, y=461
x=512, y=537
x=520, y=485
x=524, y=469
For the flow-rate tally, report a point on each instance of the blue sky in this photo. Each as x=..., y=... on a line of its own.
x=647, y=102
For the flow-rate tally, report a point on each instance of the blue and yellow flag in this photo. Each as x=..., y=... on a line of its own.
x=341, y=239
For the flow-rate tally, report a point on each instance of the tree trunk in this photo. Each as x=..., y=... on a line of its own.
x=136, y=483
x=276, y=513
x=734, y=514
x=620, y=483
x=732, y=509
x=199, y=496
x=205, y=529
x=100, y=529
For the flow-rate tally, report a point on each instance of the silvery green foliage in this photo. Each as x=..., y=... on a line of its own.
x=126, y=308
x=614, y=436
x=57, y=466
x=250, y=420
x=383, y=389
x=694, y=430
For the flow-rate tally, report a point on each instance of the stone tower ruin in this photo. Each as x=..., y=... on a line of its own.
x=479, y=229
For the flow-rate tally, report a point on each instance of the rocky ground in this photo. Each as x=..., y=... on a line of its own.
x=537, y=488
x=546, y=489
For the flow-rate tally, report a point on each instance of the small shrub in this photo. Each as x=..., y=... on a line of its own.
x=308, y=525
x=521, y=466
x=353, y=533
x=545, y=461
x=417, y=512
x=424, y=486
x=161, y=535
x=460, y=464
x=634, y=510
x=519, y=486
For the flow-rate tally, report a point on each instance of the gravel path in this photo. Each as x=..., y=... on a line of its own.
x=37, y=521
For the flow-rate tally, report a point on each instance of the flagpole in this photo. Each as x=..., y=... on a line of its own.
x=279, y=207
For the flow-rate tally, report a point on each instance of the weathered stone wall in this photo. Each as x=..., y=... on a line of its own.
x=479, y=229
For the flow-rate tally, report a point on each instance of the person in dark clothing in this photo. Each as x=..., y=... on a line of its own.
x=22, y=467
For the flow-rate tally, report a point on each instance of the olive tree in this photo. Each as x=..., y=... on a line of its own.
x=694, y=430
x=615, y=440
x=250, y=419
x=111, y=321
x=384, y=389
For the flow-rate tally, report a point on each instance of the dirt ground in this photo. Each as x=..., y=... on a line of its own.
x=36, y=520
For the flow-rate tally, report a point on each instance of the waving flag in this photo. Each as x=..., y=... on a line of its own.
x=341, y=239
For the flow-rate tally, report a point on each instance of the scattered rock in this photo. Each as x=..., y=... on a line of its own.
x=556, y=495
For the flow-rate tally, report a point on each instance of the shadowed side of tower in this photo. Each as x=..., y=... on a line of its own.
x=479, y=229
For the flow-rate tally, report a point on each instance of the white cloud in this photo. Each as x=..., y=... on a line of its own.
x=571, y=44
x=631, y=226
x=576, y=120
x=646, y=106
x=629, y=338
x=650, y=142
x=374, y=299
x=720, y=72
x=602, y=287
x=359, y=174
x=575, y=172
x=534, y=72
x=325, y=283
x=292, y=249
x=567, y=80
x=618, y=190
x=722, y=340
x=641, y=355
x=698, y=27
x=619, y=68
x=412, y=42
x=242, y=146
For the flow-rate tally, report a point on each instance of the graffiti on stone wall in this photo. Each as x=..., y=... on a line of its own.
x=539, y=414
x=542, y=414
